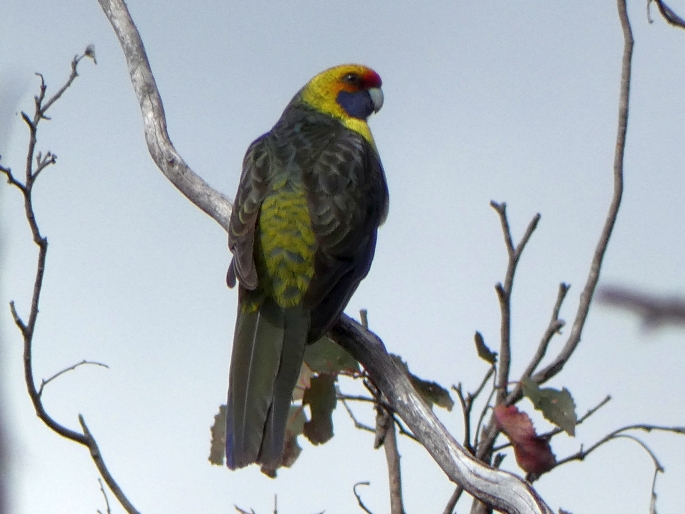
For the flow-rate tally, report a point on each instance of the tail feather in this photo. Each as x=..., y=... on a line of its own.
x=294, y=341
x=255, y=360
x=268, y=348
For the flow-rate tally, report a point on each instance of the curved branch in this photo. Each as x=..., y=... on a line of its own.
x=84, y=362
x=669, y=14
x=168, y=160
x=27, y=328
x=502, y=490
x=593, y=276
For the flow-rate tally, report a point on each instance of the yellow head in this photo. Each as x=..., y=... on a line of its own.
x=350, y=93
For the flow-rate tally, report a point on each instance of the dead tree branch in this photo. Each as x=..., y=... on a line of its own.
x=45, y=382
x=167, y=159
x=27, y=328
x=501, y=489
x=359, y=498
x=392, y=457
x=669, y=15
x=485, y=448
x=619, y=152
x=504, y=295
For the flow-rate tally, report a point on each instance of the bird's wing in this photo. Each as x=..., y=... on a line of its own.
x=348, y=200
x=252, y=190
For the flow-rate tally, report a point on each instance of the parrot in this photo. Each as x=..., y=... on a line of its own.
x=302, y=232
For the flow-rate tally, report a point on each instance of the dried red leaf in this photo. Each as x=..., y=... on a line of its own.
x=533, y=453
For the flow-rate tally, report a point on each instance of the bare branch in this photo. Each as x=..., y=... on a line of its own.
x=168, y=160
x=449, y=508
x=504, y=295
x=27, y=328
x=95, y=454
x=554, y=327
x=11, y=179
x=355, y=398
x=74, y=73
x=357, y=424
x=43, y=162
x=65, y=370
x=467, y=406
x=654, y=310
x=359, y=498
x=504, y=491
x=476, y=393
x=478, y=445
x=392, y=457
x=593, y=276
x=669, y=15
x=102, y=488
x=620, y=433
x=465, y=414
x=485, y=449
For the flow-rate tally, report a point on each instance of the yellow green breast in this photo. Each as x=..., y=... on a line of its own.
x=285, y=246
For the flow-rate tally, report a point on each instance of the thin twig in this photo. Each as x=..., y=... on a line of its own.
x=465, y=414
x=472, y=396
x=476, y=443
x=504, y=294
x=355, y=398
x=467, y=406
x=95, y=454
x=404, y=431
x=45, y=382
x=357, y=424
x=104, y=493
x=669, y=15
x=554, y=327
x=359, y=498
x=582, y=453
x=617, y=434
x=452, y=502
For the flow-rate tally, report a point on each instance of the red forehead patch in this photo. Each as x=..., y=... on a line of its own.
x=372, y=79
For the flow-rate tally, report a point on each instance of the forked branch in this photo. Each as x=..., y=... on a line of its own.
x=27, y=328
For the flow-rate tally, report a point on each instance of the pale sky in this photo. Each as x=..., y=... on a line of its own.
x=505, y=101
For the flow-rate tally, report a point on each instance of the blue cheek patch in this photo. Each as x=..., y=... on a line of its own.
x=358, y=104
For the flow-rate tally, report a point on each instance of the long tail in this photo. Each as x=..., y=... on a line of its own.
x=268, y=348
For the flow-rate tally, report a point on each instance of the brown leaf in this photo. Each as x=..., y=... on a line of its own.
x=217, y=448
x=533, y=453
x=321, y=398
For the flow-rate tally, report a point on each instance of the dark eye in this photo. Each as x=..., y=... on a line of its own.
x=352, y=78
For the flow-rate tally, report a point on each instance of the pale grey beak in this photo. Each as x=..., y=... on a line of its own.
x=376, y=95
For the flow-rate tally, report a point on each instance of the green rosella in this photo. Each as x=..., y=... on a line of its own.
x=312, y=195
